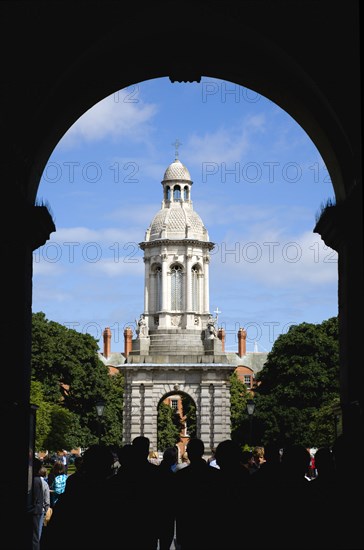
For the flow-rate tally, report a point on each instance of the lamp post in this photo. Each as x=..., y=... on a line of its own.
x=250, y=407
x=336, y=422
x=100, y=406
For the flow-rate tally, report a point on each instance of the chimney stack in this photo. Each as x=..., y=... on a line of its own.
x=241, y=342
x=128, y=337
x=107, y=342
x=221, y=336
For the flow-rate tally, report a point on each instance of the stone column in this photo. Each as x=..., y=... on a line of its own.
x=127, y=415
x=206, y=298
x=149, y=413
x=136, y=412
x=205, y=414
x=218, y=428
x=164, y=282
x=146, y=284
x=340, y=227
x=225, y=410
x=188, y=283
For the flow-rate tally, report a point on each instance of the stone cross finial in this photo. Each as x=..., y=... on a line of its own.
x=217, y=311
x=176, y=144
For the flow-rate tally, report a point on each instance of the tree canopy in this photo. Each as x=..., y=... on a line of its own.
x=299, y=380
x=68, y=378
x=238, y=414
x=169, y=427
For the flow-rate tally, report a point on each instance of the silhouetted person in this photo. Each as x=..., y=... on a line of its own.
x=236, y=480
x=43, y=472
x=37, y=504
x=184, y=461
x=169, y=461
x=247, y=460
x=167, y=514
x=126, y=458
x=269, y=472
x=73, y=478
x=135, y=499
x=82, y=516
x=212, y=459
x=325, y=479
x=288, y=508
x=199, y=490
x=57, y=480
x=229, y=458
x=258, y=457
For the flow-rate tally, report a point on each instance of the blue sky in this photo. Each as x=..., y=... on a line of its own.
x=258, y=183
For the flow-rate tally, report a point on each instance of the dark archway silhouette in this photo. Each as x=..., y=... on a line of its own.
x=304, y=56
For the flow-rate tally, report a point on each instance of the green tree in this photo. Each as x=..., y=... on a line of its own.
x=189, y=410
x=168, y=432
x=43, y=414
x=65, y=432
x=73, y=378
x=113, y=414
x=325, y=425
x=301, y=376
x=238, y=413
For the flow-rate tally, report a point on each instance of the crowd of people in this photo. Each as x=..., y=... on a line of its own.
x=259, y=499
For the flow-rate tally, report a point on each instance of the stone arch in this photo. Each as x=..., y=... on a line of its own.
x=285, y=66
x=263, y=57
x=169, y=389
x=268, y=66
x=207, y=385
x=184, y=437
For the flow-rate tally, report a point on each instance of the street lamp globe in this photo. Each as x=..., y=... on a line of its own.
x=100, y=405
x=250, y=406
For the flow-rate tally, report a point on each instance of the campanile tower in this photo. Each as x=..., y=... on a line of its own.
x=178, y=347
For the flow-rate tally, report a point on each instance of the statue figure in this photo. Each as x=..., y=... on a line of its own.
x=211, y=331
x=141, y=327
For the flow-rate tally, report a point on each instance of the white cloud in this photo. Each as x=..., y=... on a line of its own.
x=70, y=237
x=43, y=267
x=223, y=145
x=276, y=260
x=118, y=115
x=116, y=267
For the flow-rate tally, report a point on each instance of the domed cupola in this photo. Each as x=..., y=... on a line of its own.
x=177, y=219
x=176, y=171
x=176, y=257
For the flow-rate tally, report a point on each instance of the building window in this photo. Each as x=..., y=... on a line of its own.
x=176, y=193
x=185, y=193
x=248, y=380
x=174, y=404
x=195, y=290
x=176, y=288
x=168, y=193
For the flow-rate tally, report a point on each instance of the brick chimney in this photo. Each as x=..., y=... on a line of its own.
x=221, y=336
x=241, y=342
x=128, y=337
x=107, y=342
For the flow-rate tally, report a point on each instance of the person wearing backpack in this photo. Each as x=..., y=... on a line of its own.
x=58, y=478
